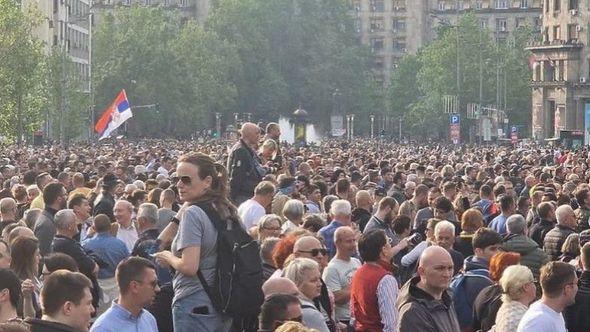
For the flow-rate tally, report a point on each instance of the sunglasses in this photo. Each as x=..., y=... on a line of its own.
x=186, y=180
x=315, y=252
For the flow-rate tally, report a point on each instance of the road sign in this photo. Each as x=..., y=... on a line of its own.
x=455, y=119
x=514, y=129
x=455, y=128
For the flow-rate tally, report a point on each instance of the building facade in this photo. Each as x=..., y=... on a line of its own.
x=392, y=28
x=561, y=71
x=65, y=26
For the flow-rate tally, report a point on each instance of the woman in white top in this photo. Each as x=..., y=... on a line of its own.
x=519, y=290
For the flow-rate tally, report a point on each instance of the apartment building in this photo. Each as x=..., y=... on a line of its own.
x=65, y=25
x=561, y=72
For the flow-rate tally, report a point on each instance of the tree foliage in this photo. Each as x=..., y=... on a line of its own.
x=419, y=84
x=21, y=71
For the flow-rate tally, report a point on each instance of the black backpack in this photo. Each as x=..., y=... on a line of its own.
x=238, y=282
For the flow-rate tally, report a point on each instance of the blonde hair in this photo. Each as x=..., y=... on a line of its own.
x=293, y=327
x=512, y=281
x=297, y=269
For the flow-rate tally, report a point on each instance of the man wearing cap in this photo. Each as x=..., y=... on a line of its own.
x=105, y=202
x=244, y=168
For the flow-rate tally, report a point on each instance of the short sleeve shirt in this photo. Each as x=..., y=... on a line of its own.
x=195, y=230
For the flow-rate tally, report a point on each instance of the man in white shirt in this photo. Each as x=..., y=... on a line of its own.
x=126, y=230
x=338, y=274
x=560, y=285
x=253, y=209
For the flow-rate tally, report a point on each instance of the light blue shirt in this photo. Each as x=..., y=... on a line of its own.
x=119, y=319
x=499, y=224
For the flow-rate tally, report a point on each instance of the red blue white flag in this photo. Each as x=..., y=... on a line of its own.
x=114, y=116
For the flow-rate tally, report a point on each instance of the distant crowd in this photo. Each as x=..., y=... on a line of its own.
x=260, y=235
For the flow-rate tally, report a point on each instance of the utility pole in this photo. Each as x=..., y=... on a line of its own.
x=458, y=60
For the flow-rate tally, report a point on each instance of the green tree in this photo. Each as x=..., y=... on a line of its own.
x=21, y=71
x=294, y=52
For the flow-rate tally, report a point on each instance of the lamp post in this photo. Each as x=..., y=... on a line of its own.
x=372, y=117
x=218, y=124
x=351, y=126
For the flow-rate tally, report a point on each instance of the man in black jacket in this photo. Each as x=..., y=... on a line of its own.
x=105, y=202
x=65, y=223
x=244, y=168
x=576, y=316
x=566, y=222
x=538, y=231
x=424, y=303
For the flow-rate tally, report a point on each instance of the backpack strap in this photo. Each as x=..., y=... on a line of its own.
x=216, y=221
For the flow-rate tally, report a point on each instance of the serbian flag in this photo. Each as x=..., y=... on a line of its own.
x=114, y=116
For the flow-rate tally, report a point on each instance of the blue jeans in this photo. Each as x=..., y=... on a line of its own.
x=196, y=313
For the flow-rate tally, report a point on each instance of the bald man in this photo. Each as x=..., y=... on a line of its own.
x=338, y=274
x=20, y=231
x=424, y=303
x=244, y=168
x=279, y=285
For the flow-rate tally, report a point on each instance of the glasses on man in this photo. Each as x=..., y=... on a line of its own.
x=315, y=252
x=271, y=228
x=186, y=180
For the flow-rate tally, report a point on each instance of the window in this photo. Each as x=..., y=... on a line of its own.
x=537, y=24
x=573, y=4
x=478, y=5
x=557, y=32
x=520, y=22
x=378, y=63
x=556, y=5
x=377, y=6
x=399, y=25
x=399, y=45
x=501, y=25
x=399, y=5
x=460, y=5
x=376, y=24
x=483, y=23
x=441, y=5
x=377, y=44
x=572, y=32
x=501, y=4
x=524, y=3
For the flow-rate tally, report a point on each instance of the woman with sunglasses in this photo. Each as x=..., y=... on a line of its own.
x=305, y=273
x=201, y=180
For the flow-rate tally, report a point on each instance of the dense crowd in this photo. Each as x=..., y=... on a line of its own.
x=260, y=235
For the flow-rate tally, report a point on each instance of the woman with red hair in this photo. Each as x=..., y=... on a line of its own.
x=489, y=300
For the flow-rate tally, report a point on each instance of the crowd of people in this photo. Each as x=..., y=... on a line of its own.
x=347, y=236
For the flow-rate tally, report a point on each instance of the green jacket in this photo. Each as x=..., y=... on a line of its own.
x=531, y=255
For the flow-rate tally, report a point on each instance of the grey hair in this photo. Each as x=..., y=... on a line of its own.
x=148, y=211
x=444, y=225
x=515, y=224
x=297, y=268
x=267, y=219
x=340, y=207
x=64, y=218
x=293, y=209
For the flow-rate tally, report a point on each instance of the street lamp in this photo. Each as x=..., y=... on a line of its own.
x=372, y=117
x=218, y=124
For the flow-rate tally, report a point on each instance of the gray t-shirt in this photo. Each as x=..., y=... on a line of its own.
x=195, y=230
x=338, y=276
